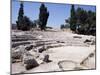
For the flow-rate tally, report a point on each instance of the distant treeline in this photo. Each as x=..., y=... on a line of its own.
x=82, y=21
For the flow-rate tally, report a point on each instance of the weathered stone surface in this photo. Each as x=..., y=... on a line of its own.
x=48, y=67
x=60, y=42
x=89, y=61
x=16, y=55
x=77, y=37
x=17, y=68
x=15, y=44
x=90, y=41
x=87, y=40
x=42, y=49
x=46, y=58
x=29, y=47
x=59, y=46
x=67, y=65
x=31, y=63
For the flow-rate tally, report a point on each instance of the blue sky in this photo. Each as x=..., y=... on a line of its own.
x=58, y=12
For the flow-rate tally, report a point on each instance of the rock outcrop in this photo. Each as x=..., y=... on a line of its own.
x=31, y=63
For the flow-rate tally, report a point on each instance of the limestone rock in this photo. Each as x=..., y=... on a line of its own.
x=46, y=58
x=31, y=63
x=77, y=37
x=42, y=49
x=87, y=40
x=90, y=41
x=17, y=54
x=29, y=47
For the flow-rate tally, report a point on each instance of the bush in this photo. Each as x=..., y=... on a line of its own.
x=62, y=26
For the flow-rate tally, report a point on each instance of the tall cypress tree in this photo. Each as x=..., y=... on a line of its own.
x=72, y=18
x=20, y=17
x=43, y=16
